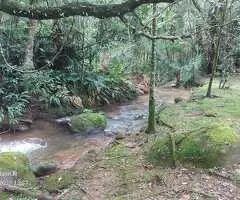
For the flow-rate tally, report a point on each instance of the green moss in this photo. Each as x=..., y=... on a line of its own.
x=59, y=181
x=14, y=161
x=206, y=147
x=87, y=121
x=223, y=135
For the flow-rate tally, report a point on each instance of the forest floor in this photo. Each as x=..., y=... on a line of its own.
x=123, y=172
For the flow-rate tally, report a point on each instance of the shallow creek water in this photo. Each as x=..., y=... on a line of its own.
x=50, y=141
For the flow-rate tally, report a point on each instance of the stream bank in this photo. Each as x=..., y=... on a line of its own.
x=47, y=140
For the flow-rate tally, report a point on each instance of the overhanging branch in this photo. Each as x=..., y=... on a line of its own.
x=151, y=37
x=73, y=9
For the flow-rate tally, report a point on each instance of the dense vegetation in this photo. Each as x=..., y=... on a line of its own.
x=49, y=62
x=66, y=58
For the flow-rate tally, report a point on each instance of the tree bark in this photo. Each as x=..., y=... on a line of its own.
x=73, y=9
x=28, y=60
x=28, y=64
x=220, y=11
x=151, y=112
x=1, y=17
x=214, y=67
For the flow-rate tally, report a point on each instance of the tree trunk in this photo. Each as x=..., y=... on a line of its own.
x=1, y=17
x=214, y=67
x=28, y=63
x=221, y=12
x=151, y=112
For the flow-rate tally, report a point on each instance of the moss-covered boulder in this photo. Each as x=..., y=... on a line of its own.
x=17, y=162
x=207, y=147
x=59, y=181
x=88, y=121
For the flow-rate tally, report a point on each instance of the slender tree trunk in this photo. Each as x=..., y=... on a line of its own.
x=214, y=67
x=151, y=112
x=220, y=22
x=28, y=64
x=1, y=17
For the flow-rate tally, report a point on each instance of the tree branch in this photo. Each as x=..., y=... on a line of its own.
x=73, y=9
x=151, y=37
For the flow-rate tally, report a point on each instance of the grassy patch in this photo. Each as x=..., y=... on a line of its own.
x=205, y=128
x=14, y=161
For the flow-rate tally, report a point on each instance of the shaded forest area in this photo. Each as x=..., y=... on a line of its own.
x=64, y=58
x=96, y=60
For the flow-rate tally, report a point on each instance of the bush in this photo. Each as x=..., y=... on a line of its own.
x=49, y=87
x=99, y=88
x=14, y=99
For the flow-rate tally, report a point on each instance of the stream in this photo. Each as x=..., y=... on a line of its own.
x=50, y=141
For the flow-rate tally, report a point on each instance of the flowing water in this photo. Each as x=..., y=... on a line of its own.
x=50, y=141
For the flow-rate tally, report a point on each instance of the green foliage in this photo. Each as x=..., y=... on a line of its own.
x=49, y=87
x=88, y=120
x=98, y=87
x=13, y=97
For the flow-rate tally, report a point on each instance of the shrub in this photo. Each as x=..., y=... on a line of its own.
x=49, y=87
x=14, y=99
x=99, y=88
